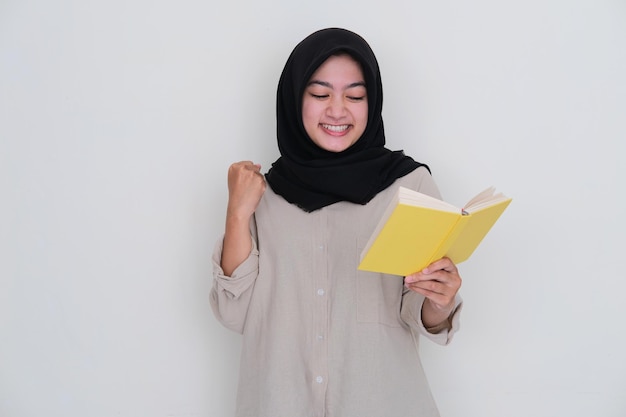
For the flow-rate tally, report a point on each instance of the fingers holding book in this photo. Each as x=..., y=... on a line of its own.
x=439, y=282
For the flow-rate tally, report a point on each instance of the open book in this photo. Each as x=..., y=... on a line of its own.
x=417, y=229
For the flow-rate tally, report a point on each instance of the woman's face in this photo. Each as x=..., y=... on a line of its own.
x=334, y=105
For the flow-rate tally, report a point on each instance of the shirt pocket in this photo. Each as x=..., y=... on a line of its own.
x=378, y=296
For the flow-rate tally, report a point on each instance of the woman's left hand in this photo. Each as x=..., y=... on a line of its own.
x=439, y=282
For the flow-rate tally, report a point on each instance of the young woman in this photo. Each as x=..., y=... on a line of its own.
x=319, y=337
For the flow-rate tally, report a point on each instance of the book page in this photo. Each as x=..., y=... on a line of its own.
x=415, y=198
x=484, y=199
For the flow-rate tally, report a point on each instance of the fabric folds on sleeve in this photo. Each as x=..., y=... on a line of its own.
x=412, y=315
x=230, y=296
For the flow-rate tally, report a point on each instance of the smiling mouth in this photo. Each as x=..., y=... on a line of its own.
x=336, y=129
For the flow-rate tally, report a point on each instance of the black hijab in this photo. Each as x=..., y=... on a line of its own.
x=309, y=176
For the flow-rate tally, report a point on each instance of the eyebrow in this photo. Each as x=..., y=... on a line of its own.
x=329, y=85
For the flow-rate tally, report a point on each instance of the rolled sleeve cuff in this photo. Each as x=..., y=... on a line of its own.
x=442, y=333
x=243, y=276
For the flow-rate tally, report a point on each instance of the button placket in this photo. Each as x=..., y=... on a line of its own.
x=320, y=289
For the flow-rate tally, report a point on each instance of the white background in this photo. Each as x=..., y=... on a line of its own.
x=119, y=118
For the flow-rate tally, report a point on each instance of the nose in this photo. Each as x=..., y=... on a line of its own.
x=336, y=107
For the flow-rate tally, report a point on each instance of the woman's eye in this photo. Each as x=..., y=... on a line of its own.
x=319, y=96
x=356, y=98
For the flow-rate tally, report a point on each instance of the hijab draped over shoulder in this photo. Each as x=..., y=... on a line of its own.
x=309, y=176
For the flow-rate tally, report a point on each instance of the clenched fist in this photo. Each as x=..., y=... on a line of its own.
x=246, y=186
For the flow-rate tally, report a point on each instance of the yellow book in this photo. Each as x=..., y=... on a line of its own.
x=417, y=229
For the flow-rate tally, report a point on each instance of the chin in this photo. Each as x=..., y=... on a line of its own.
x=336, y=148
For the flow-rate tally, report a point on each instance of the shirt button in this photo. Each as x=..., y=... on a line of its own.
x=319, y=379
x=320, y=291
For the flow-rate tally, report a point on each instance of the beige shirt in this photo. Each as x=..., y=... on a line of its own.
x=321, y=338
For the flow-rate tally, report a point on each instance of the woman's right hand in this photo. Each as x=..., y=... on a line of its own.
x=246, y=186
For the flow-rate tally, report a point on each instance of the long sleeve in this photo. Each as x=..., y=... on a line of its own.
x=411, y=313
x=230, y=296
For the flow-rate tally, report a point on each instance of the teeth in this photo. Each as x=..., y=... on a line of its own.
x=334, y=128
